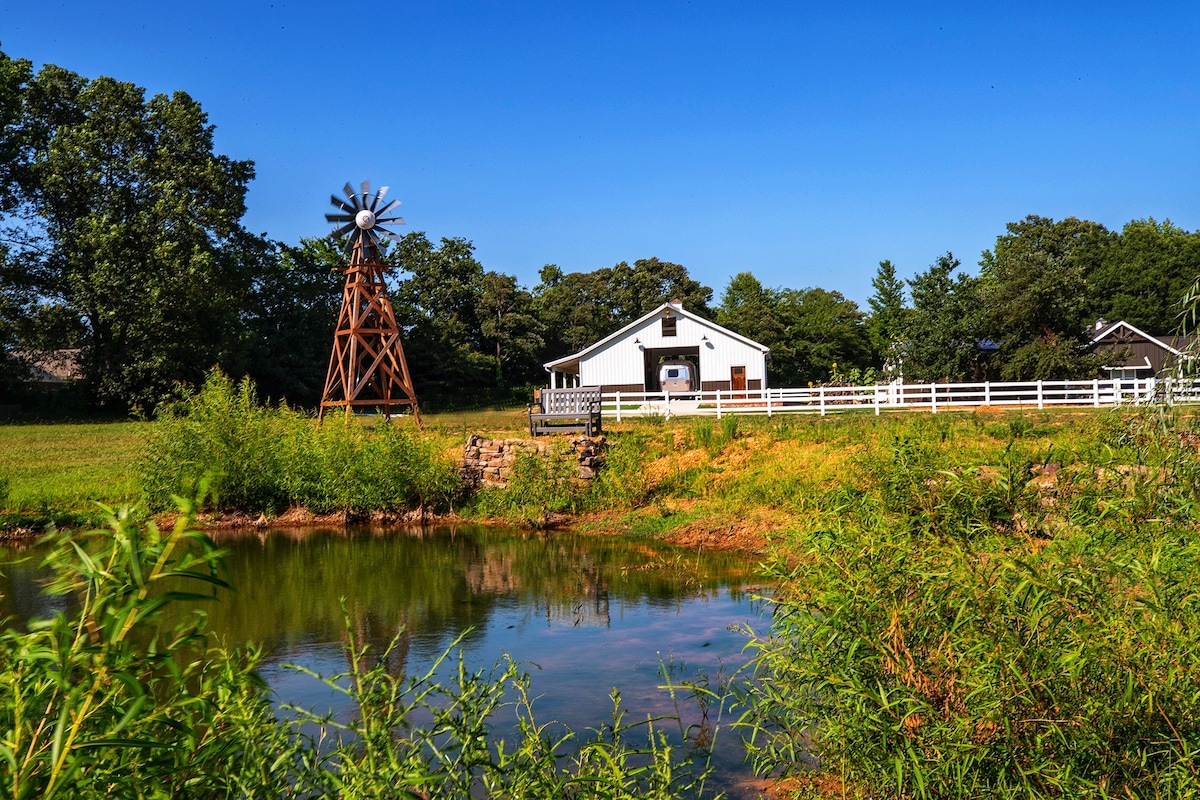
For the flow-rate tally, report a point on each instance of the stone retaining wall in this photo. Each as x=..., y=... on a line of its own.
x=489, y=462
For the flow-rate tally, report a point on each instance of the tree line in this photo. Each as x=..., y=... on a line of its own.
x=123, y=239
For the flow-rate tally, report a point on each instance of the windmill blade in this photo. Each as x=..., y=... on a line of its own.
x=342, y=204
x=391, y=221
x=350, y=193
x=379, y=197
x=342, y=231
x=339, y=217
x=395, y=237
x=388, y=207
x=366, y=192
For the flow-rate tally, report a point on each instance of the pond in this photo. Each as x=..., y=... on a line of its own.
x=584, y=613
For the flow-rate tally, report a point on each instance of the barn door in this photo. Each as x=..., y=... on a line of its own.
x=737, y=380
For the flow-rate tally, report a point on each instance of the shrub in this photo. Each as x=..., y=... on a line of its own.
x=260, y=458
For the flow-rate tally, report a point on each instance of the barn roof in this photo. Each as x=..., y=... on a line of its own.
x=675, y=308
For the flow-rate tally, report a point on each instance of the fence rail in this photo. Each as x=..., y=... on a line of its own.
x=895, y=396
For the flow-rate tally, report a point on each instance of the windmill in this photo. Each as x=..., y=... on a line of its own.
x=367, y=368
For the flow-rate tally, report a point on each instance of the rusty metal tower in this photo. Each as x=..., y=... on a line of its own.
x=367, y=368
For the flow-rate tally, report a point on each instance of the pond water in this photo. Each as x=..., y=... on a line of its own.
x=585, y=614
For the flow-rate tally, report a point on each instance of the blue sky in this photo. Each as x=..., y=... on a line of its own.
x=801, y=141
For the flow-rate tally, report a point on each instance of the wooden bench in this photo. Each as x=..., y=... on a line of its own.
x=565, y=411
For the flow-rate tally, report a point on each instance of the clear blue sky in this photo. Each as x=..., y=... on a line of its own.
x=802, y=141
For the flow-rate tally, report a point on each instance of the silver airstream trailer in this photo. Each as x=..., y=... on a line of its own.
x=677, y=375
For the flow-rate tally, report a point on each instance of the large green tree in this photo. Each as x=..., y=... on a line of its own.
x=510, y=329
x=1144, y=274
x=941, y=336
x=438, y=307
x=638, y=290
x=574, y=308
x=1034, y=296
x=823, y=334
x=749, y=308
x=888, y=318
x=579, y=308
x=809, y=331
x=127, y=220
x=290, y=317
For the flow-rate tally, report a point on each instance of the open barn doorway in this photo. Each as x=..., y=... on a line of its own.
x=656, y=356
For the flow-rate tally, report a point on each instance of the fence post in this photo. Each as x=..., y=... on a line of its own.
x=618, y=405
x=875, y=397
x=1095, y=392
x=767, y=392
x=718, y=403
x=1039, y=387
x=667, y=404
x=821, y=393
x=987, y=393
x=933, y=397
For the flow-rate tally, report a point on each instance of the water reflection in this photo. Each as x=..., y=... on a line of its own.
x=588, y=613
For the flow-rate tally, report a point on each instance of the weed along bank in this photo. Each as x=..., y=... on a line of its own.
x=668, y=349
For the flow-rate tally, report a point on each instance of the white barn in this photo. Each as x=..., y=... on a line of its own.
x=628, y=360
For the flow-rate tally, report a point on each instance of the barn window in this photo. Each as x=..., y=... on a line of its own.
x=668, y=326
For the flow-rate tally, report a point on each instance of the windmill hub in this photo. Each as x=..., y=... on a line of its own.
x=364, y=217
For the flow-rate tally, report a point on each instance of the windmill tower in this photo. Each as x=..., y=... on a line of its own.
x=367, y=368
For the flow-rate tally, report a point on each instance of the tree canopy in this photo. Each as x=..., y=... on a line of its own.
x=127, y=220
x=123, y=238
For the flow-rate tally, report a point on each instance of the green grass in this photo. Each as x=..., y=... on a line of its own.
x=53, y=468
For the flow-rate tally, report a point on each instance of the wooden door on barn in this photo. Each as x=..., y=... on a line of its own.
x=737, y=381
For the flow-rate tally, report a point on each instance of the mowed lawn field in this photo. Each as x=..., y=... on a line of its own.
x=68, y=467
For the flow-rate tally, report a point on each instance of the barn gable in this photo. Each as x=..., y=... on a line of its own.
x=1144, y=355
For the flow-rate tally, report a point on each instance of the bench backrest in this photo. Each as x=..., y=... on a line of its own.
x=577, y=400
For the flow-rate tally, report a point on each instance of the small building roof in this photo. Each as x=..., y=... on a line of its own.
x=1114, y=331
x=50, y=367
x=570, y=364
x=1142, y=351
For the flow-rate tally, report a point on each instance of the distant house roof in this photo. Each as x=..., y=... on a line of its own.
x=50, y=367
x=571, y=362
x=1143, y=351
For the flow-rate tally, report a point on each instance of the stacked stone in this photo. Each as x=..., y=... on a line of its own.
x=589, y=453
x=488, y=462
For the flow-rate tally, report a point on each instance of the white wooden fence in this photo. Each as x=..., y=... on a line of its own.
x=933, y=397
